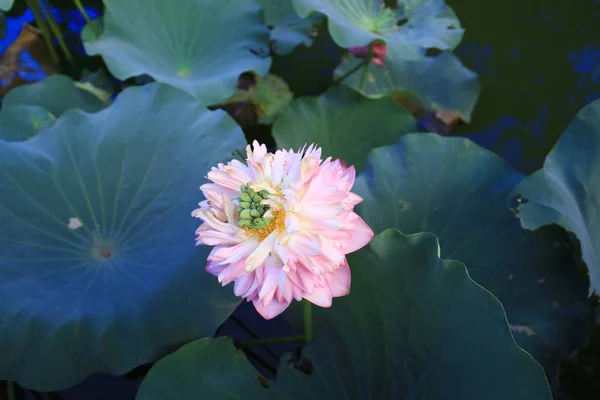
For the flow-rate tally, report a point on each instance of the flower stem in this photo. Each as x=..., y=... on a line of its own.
x=308, y=327
x=87, y=17
x=55, y=29
x=10, y=390
x=363, y=79
x=350, y=72
x=42, y=26
x=283, y=339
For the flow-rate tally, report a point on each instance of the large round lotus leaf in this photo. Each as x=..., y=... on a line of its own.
x=288, y=29
x=412, y=327
x=199, y=46
x=22, y=122
x=440, y=83
x=460, y=192
x=98, y=268
x=408, y=31
x=344, y=123
x=567, y=190
x=57, y=94
x=6, y=5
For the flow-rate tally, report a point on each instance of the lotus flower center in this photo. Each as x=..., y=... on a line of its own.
x=102, y=249
x=255, y=217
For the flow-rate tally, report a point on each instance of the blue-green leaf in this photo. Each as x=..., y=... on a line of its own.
x=412, y=327
x=439, y=83
x=176, y=44
x=566, y=191
x=56, y=94
x=6, y=5
x=22, y=122
x=288, y=29
x=408, y=31
x=98, y=268
x=460, y=192
x=345, y=124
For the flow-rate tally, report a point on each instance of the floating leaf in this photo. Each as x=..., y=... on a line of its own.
x=413, y=326
x=22, y=122
x=257, y=99
x=56, y=94
x=288, y=30
x=177, y=46
x=27, y=59
x=566, y=191
x=439, y=84
x=408, y=30
x=6, y=5
x=460, y=192
x=345, y=124
x=89, y=33
x=98, y=268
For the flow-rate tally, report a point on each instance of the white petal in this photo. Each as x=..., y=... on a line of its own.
x=260, y=254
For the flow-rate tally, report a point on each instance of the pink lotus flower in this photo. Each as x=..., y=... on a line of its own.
x=281, y=227
x=379, y=52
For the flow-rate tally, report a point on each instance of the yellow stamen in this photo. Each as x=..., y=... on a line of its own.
x=276, y=223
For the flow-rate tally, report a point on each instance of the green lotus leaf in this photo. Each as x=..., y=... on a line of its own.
x=22, y=122
x=177, y=46
x=413, y=327
x=408, y=31
x=257, y=99
x=343, y=123
x=6, y=5
x=56, y=94
x=460, y=192
x=438, y=83
x=92, y=29
x=288, y=30
x=98, y=268
x=566, y=191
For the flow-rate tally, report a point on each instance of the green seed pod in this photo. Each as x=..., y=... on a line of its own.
x=257, y=221
x=255, y=213
x=244, y=197
x=243, y=189
x=264, y=194
x=261, y=210
x=245, y=214
x=245, y=222
x=256, y=199
x=244, y=204
x=253, y=205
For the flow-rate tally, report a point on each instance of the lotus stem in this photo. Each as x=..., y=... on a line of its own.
x=308, y=327
x=55, y=29
x=91, y=23
x=283, y=339
x=365, y=73
x=44, y=28
x=351, y=71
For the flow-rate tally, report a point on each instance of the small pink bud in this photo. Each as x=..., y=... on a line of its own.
x=360, y=51
x=379, y=52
